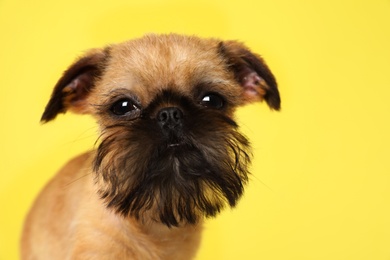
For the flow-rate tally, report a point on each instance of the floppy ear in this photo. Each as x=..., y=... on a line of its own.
x=74, y=86
x=252, y=73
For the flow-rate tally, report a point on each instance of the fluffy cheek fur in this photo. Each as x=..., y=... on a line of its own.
x=138, y=172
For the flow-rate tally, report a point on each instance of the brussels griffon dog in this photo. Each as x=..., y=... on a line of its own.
x=169, y=152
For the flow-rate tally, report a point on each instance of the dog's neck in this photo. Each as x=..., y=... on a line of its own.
x=150, y=236
x=163, y=232
x=171, y=242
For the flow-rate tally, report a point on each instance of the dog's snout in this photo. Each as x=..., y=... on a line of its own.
x=170, y=117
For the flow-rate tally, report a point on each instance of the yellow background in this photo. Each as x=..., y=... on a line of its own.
x=320, y=187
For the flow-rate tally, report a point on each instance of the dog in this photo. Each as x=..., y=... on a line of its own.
x=169, y=152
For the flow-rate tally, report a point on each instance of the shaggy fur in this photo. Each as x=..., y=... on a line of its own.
x=169, y=153
x=196, y=178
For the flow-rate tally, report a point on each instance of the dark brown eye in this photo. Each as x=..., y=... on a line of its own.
x=213, y=101
x=123, y=107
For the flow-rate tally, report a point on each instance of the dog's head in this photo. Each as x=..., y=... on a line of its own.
x=169, y=147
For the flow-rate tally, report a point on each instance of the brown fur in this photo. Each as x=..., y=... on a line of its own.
x=71, y=222
x=111, y=203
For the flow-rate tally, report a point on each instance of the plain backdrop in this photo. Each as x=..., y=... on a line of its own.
x=320, y=183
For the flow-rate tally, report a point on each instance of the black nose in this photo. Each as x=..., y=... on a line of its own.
x=170, y=118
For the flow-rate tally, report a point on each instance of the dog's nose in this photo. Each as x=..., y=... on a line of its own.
x=170, y=117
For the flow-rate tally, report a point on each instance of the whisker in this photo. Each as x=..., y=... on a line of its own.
x=74, y=181
x=263, y=183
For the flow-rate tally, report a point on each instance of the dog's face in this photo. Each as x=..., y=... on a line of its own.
x=169, y=146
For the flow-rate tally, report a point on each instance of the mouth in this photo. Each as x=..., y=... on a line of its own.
x=174, y=145
x=174, y=141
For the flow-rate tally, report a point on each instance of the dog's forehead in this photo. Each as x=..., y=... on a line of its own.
x=161, y=62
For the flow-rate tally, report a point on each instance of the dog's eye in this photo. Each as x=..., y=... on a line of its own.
x=213, y=101
x=123, y=106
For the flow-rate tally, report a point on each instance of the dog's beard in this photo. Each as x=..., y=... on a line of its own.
x=140, y=172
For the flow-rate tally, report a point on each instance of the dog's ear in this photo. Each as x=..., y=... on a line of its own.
x=74, y=86
x=252, y=73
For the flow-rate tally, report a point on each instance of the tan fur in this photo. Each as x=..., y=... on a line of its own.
x=95, y=232
x=69, y=220
x=198, y=63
